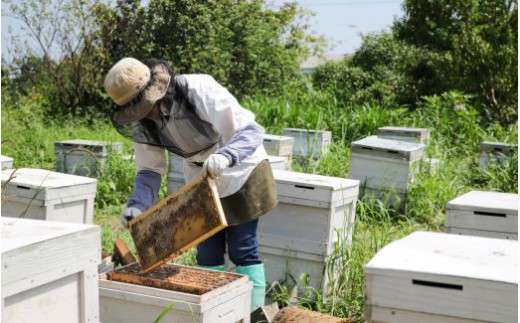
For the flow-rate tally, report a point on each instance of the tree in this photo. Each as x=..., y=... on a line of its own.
x=243, y=45
x=466, y=45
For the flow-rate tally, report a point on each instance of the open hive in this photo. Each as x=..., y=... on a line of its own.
x=194, y=294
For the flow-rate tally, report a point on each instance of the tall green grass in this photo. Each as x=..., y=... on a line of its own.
x=457, y=130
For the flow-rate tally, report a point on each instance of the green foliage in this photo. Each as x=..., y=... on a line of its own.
x=245, y=47
x=464, y=45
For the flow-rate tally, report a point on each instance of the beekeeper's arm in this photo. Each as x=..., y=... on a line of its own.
x=241, y=135
x=151, y=164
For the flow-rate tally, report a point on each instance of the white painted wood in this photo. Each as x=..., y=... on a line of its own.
x=43, y=184
x=279, y=163
x=309, y=142
x=7, y=162
x=382, y=173
x=121, y=302
x=278, y=145
x=393, y=149
x=391, y=315
x=476, y=220
x=446, y=274
x=99, y=148
x=417, y=135
x=495, y=152
x=506, y=203
x=482, y=233
x=46, y=195
x=299, y=234
x=49, y=271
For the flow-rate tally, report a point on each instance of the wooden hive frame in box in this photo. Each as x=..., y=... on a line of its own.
x=177, y=223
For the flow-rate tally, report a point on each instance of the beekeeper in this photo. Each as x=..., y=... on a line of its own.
x=196, y=118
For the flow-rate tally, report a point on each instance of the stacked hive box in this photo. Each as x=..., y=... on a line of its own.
x=49, y=271
x=46, y=195
x=175, y=173
x=298, y=235
x=437, y=277
x=495, y=152
x=417, y=135
x=385, y=166
x=280, y=146
x=486, y=214
x=309, y=142
x=83, y=157
x=127, y=303
x=279, y=163
x=7, y=162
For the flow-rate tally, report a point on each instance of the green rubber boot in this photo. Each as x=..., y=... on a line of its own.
x=256, y=274
x=217, y=268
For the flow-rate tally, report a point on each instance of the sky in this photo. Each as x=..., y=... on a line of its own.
x=341, y=21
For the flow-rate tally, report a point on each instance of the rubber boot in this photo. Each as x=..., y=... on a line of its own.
x=217, y=268
x=256, y=274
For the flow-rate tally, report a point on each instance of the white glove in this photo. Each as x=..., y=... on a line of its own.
x=128, y=214
x=215, y=165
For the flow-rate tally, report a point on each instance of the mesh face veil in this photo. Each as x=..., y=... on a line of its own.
x=183, y=132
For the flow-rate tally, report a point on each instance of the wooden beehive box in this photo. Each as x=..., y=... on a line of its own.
x=47, y=195
x=385, y=164
x=49, y=271
x=177, y=223
x=7, y=162
x=83, y=157
x=417, y=135
x=278, y=145
x=309, y=142
x=438, y=277
x=298, y=235
x=495, y=152
x=197, y=295
x=280, y=163
x=486, y=214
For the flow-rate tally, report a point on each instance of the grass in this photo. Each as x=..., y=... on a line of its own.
x=28, y=136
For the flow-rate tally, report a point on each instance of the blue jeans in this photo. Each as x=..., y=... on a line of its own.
x=242, y=246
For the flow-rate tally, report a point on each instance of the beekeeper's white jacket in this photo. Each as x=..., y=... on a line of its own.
x=214, y=104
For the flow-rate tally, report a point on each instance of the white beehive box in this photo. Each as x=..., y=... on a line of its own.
x=278, y=145
x=385, y=164
x=487, y=214
x=49, y=271
x=309, y=142
x=128, y=303
x=417, y=135
x=83, y=157
x=280, y=163
x=298, y=235
x=7, y=162
x=495, y=152
x=45, y=195
x=438, y=277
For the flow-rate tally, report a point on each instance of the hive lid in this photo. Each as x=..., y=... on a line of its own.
x=431, y=253
x=269, y=138
x=317, y=181
x=389, y=148
x=97, y=147
x=485, y=201
x=499, y=147
x=17, y=233
x=416, y=132
x=5, y=159
x=44, y=184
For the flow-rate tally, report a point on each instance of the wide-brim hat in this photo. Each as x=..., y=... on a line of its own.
x=135, y=88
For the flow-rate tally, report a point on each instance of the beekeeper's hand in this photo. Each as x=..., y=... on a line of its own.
x=128, y=214
x=215, y=165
